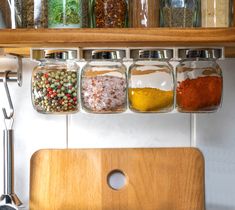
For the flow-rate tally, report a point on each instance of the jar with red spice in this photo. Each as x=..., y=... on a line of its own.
x=104, y=82
x=54, y=82
x=199, y=81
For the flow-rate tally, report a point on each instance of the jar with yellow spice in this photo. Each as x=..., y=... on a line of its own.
x=151, y=81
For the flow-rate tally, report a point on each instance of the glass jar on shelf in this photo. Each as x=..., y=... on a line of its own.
x=151, y=81
x=199, y=81
x=144, y=14
x=180, y=13
x=34, y=14
x=109, y=13
x=68, y=13
x=104, y=82
x=10, y=15
x=55, y=81
x=217, y=13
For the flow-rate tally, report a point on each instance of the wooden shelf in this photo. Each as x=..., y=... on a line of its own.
x=224, y=37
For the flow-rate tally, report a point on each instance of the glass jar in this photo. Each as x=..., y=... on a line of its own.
x=104, y=82
x=216, y=13
x=54, y=82
x=144, y=13
x=34, y=14
x=10, y=16
x=151, y=81
x=180, y=13
x=109, y=13
x=199, y=81
x=68, y=13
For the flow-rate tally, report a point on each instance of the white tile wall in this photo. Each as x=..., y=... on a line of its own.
x=214, y=134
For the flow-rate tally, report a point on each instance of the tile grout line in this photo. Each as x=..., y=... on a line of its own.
x=193, y=130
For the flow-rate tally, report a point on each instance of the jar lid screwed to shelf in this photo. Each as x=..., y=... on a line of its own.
x=57, y=54
x=201, y=53
x=103, y=54
x=152, y=54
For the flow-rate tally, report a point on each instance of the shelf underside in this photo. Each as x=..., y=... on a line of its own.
x=154, y=37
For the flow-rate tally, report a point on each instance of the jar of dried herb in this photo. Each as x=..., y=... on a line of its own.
x=10, y=16
x=180, y=13
x=68, y=13
x=34, y=14
x=104, y=82
x=199, y=81
x=151, y=81
x=109, y=13
x=143, y=14
x=216, y=13
x=54, y=82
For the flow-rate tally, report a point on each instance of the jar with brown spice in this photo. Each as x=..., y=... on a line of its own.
x=199, y=81
x=104, y=82
x=109, y=13
x=143, y=14
x=11, y=15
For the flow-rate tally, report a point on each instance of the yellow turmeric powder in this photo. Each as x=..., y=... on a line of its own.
x=150, y=99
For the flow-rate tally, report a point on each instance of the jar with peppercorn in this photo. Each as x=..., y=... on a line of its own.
x=109, y=13
x=54, y=82
x=199, y=81
x=104, y=82
x=151, y=81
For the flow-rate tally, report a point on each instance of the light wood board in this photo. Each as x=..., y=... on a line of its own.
x=157, y=179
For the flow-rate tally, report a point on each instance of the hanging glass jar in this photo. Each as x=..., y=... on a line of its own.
x=216, y=13
x=104, y=82
x=151, y=81
x=54, y=82
x=109, y=13
x=199, y=81
x=10, y=15
x=143, y=14
x=68, y=13
x=180, y=13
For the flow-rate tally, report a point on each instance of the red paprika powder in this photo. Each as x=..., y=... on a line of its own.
x=200, y=94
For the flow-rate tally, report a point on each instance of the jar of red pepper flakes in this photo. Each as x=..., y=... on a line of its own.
x=54, y=82
x=199, y=81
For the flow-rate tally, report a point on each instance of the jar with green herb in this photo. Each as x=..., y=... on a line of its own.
x=54, y=82
x=180, y=13
x=68, y=13
x=109, y=13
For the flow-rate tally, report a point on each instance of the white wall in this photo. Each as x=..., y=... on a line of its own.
x=215, y=135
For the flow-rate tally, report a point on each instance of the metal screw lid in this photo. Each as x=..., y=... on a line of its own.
x=58, y=54
x=200, y=53
x=152, y=54
x=104, y=54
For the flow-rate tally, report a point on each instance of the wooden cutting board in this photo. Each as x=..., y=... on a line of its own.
x=156, y=179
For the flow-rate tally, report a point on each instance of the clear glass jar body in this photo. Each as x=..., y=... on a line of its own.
x=143, y=14
x=151, y=86
x=35, y=13
x=216, y=13
x=199, y=85
x=68, y=13
x=54, y=87
x=109, y=13
x=10, y=17
x=103, y=87
x=180, y=13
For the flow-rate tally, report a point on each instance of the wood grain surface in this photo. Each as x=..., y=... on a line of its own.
x=157, y=179
x=127, y=37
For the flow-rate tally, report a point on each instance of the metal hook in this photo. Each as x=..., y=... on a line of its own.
x=6, y=116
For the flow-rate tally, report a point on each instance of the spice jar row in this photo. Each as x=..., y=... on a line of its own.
x=149, y=86
x=115, y=13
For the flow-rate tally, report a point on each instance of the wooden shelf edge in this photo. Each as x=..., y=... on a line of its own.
x=117, y=37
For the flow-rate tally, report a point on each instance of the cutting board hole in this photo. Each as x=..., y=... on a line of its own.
x=116, y=179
